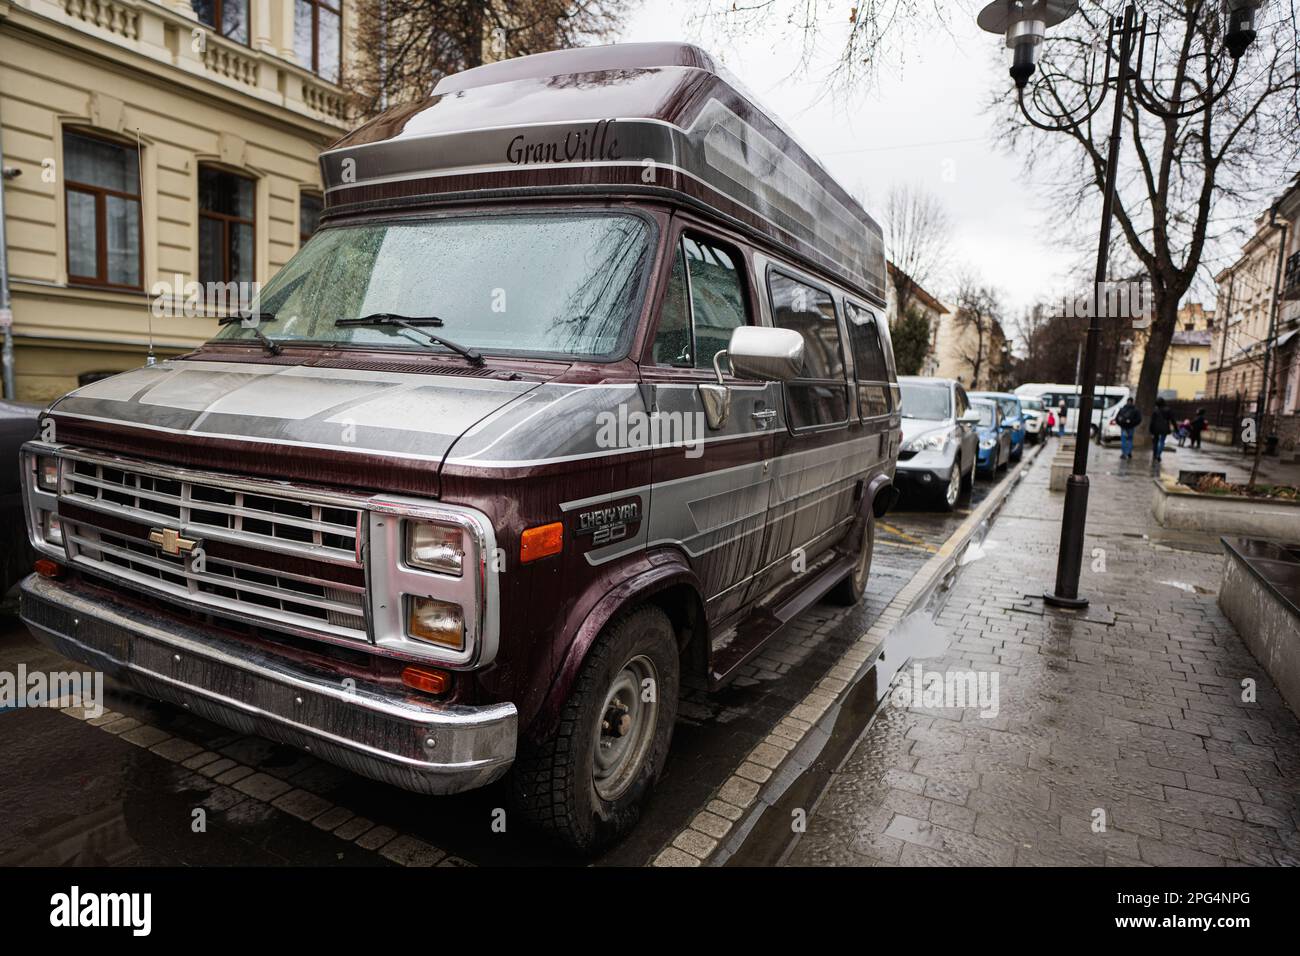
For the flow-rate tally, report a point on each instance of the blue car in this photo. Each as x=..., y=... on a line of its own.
x=1013, y=418
x=994, y=438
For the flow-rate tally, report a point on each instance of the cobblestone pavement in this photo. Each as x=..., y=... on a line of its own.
x=1120, y=739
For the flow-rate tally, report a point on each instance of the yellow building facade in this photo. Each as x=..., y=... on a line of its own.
x=146, y=149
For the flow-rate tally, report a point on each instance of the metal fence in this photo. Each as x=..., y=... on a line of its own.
x=1226, y=411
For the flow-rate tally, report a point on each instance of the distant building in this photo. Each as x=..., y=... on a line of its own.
x=961, y=352
x=1185, y=372
x=1246, y=295
x=152, y=140
x=920, y=301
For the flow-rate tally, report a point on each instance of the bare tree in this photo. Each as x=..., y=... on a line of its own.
x=1180, y=175
x=917, y=233
x=870, y=32
x=405, y=46
x=979, y=309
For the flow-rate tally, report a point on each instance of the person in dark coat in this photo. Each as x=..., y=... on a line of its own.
x=1160, y=428
x=1199, y=424
x=1128, y=419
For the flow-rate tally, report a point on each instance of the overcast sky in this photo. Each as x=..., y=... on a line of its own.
x=923, y=123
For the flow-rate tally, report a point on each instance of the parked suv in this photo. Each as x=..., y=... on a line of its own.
x=545, y=415
x=939, y=444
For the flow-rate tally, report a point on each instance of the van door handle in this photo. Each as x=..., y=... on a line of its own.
x=763, y=416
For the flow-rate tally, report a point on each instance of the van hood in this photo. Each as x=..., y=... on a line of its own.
x=298, y=413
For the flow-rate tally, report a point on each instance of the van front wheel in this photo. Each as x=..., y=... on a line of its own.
x=586, y=783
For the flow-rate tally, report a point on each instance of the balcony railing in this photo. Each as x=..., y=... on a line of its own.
x=153, y=30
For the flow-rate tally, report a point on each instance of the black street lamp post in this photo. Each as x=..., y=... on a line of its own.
x=1025, y=23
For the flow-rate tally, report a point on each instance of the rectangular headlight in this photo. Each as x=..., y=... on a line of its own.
x=435, y=547
x=47, y=473
x=438, y=622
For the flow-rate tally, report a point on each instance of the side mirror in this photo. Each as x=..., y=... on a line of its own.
x=766, y=354
x=969, y=417
x=754, y=352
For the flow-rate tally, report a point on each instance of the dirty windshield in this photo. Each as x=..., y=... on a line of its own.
x=554, y=284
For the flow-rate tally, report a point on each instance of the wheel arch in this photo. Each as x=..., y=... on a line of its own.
x=661, y=578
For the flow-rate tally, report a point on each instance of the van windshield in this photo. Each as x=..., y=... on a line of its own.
x=563, y=284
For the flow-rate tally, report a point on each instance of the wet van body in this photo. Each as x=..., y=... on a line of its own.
x=656, y=419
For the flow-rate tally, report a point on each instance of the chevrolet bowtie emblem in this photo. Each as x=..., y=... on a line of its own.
x=171, y=541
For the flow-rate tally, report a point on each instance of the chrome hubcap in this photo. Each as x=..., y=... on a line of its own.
x=954, y=484
x=625, y=727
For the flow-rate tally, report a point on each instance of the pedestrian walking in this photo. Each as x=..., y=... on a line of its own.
x=1160, y=427
x=1051, y=422
x=1182, y=430
x=1199, y=424
x=1128, y=419
x=1060, y=419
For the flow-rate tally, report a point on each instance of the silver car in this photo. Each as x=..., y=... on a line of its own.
x=939, y=441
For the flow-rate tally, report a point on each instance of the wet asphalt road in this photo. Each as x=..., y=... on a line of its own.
x=76, y=794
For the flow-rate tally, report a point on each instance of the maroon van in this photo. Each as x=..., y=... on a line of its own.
x=582, y=385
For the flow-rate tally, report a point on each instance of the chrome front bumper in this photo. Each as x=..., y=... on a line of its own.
x=425, y=747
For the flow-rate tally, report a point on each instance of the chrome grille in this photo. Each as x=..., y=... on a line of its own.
x=297, y=526
x=289, y=563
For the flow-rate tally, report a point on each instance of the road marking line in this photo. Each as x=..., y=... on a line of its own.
x=918, y=543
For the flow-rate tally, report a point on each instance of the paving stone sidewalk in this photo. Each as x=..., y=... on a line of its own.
x=1136, y=721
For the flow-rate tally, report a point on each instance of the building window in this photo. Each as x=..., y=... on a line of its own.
x=1196, y=365
x=318, y=36
x=226, y=233
x=227, y=17
x=102, y=183
x=309, y=210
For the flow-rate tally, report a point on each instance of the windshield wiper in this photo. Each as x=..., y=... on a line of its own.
x=414, y=324
x=268, y=343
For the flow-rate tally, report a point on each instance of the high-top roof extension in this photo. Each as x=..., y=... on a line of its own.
x=636, y=118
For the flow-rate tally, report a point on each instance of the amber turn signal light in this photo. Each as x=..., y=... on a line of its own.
x=47, y=568
x=426, y=679
x=541, y=542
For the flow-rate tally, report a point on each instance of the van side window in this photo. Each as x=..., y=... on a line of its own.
x=705, y=301
x=868, y=361
x=820, y=395
x=674, y=344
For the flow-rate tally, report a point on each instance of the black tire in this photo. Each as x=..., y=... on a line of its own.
x=1001, y=464
x=968, y=479
x=1018, y=453
x=849, y=591
x=555, y=783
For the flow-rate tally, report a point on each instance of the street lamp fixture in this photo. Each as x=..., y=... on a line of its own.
x=1240, y=33
x=1025, y=23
